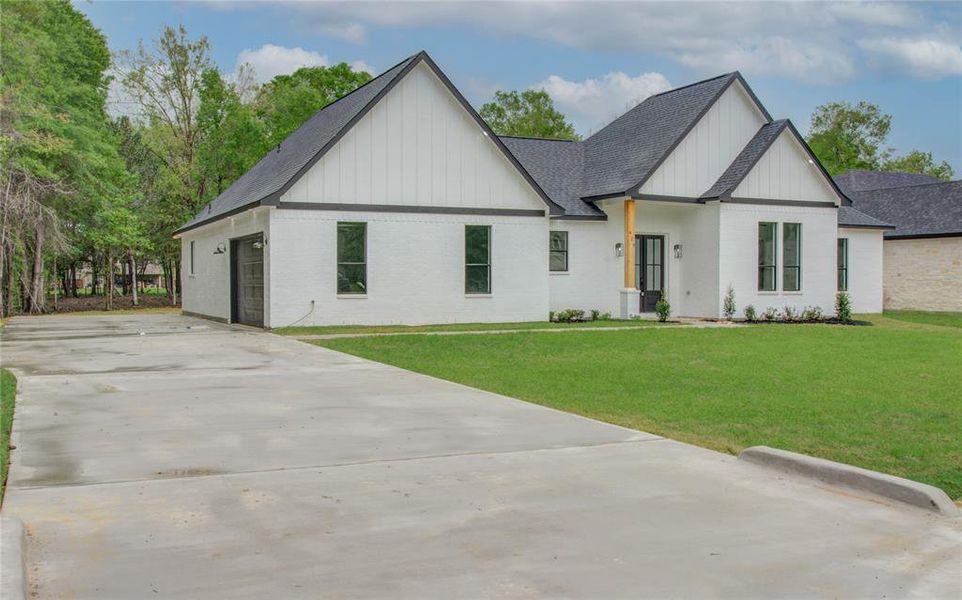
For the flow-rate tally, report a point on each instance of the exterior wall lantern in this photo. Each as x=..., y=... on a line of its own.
x=221, y=248
x=619, y=249
x=677, y=249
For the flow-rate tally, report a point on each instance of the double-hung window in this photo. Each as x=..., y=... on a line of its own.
x=843, y=264
x=477, y=259
x=767, y=268
x=791, y=257
x=558, y=258
x=352, y=258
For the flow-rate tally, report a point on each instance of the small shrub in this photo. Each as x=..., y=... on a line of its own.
x=812, y=314
x=551, y=318
x=663, y=309
x=788, y=314
x=729, y=305
x=750, y=315
x=843, y=307
x=571, y=315
x=770, y=313
x=595, y=314
x=605, y=316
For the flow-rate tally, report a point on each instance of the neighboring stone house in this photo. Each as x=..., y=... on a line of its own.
x=923, y=253
x=398, y=204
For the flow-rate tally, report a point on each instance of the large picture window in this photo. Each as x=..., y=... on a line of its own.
x=843, y=264
x=791, y=257
x=352, y=258
x=558, y=259
x=477, y=259
x=767, y=269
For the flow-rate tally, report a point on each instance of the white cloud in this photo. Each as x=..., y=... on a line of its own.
x=924, y=58
x=269, y=60
x=808, y=41
x=593, y=102
x=360, y=65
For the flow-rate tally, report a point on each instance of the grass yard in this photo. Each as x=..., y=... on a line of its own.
x=8, y=390
x=945, y=319
x=885, y=397
x=335, y=329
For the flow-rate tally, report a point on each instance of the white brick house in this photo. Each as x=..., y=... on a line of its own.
x=397, y=204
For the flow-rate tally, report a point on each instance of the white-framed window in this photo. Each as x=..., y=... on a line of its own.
x=192, y=242
x=351, y=258
x=791, y=257
x=558, y=251
x=477, y=259
x=767, y=256
x=843, y=264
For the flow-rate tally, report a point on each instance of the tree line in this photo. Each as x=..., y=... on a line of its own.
x=89, y=186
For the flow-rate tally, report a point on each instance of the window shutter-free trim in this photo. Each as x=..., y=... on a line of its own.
x=791, y=257
x=351, y=257
x=767, y=256
x=558, y=251
x=842, y=264
x=477, y=259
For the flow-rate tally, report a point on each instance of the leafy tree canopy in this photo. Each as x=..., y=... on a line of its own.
x=848, y=136
x=530, y=113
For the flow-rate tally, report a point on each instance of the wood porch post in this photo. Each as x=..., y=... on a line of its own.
x=629, y=243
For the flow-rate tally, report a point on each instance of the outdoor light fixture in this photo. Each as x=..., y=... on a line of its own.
x=221, y=248
x=259, y=244
x=619, y=249
x=677, y=249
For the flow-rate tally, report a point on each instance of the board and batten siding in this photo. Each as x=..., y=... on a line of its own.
x=709, y=148
x=785, y=172
x=416, y=147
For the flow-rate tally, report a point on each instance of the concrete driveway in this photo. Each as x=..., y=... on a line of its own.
x=161, y=456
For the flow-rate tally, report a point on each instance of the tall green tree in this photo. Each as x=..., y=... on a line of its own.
x=530, y=113
x=59, y=163
x=917, y=161
x=285, y=102
x=848, y=136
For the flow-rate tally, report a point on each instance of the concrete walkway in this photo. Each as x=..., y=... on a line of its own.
x=166, y=457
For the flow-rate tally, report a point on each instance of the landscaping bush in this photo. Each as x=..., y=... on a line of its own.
x=605, y=316
x=663, y=309
x=770, y=314
x=812, y=314
x=788, y=314
x=750, y=315
x=729, y=305
x=570, y=315
x=551, y=318
x=843, y=307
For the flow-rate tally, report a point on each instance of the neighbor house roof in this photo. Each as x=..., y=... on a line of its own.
x=927, y=210
x=273, y=175
x=858, y=180
x=848, y=216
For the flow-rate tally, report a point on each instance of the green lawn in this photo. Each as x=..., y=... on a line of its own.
x=333, y=329
x=945, y=319
x=8, y=389
x=884, y=397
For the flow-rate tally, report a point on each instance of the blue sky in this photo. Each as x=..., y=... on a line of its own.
x=598, y=59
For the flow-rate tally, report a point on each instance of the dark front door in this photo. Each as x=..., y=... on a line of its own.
x=247, y=280
x=650, y=269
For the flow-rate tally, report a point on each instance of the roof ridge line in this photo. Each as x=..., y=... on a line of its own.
x=529, y=137
x=688, y=85
x=914, y=185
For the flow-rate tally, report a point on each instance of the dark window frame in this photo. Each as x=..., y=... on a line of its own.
x=342, y=284
x=763, y=266
x=192, y=253
x=469, y=266
x=796, y=267
x=553, y=252
x=841, y=281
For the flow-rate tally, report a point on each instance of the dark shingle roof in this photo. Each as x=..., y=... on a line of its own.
x=281, y=164
x=932, y=209
x=858, y=180
x=849, y=217
x=627, y=151
x=744, y=162
x=557, y=166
